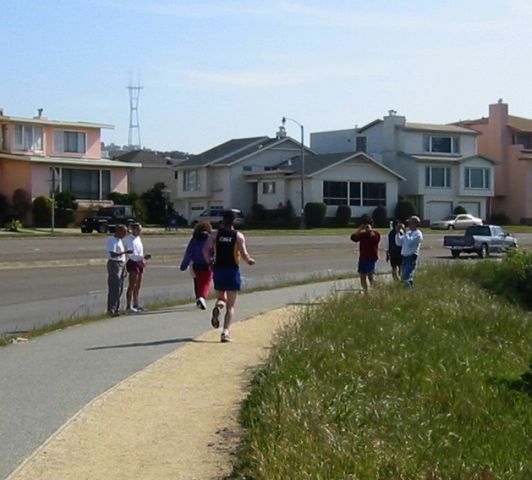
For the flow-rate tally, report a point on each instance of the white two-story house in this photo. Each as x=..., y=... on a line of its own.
x=439, y=162
x=270, y=171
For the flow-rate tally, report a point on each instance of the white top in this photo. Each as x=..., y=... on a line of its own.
x=114, y=244
x=134, y=243
x=410, y=242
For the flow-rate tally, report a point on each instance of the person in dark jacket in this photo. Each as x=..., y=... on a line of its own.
x=393, y=252
x=201, y=270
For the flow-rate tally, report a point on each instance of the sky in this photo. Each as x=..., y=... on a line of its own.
x=216, y=70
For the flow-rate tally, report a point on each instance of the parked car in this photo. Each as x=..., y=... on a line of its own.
x=480, y=239
x=214, y=217
x=462, y=220
x=107, y=218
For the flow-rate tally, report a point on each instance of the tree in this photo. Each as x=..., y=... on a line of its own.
x=458, y=210
x=156, y=203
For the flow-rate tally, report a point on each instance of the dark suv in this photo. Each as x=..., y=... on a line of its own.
x=108, y=218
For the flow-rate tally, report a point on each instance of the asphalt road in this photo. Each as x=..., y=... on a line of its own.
x=47, y=279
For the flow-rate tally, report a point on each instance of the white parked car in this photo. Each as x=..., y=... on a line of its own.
x=462, y=220
x=214, y=217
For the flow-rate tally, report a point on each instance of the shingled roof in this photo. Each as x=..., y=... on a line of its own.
x=227, y=152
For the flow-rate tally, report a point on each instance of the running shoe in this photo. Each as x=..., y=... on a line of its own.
x=200, y=303
x=225, y=337
x=215, y=320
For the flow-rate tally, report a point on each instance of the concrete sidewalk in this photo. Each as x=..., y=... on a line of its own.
x=45, y=383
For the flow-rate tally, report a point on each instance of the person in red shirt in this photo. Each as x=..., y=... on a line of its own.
x=369, y=251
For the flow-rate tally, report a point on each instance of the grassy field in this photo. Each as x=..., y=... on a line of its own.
x=432, y=383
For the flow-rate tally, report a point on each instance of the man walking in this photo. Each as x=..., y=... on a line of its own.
x=116, y=270
x=410, y=242
x=369, y=251
x=135, y=268
x=228, y=246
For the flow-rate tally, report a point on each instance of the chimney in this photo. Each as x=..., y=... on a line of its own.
x=39, y=114
x=281, y=133
x=1, y=111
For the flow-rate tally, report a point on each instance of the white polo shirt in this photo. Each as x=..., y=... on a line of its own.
x=114, y=244
x=134, y=243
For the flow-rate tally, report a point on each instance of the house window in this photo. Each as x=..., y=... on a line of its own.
x=478, y=178
x=523, y=139
x=268, y=188
x=441, y=144
x=355, y=194
x=191, y=181
x=335, y=193
x=86, y=184
x=438, y=177
x=28, y=137
x=361, y=144
x=70, y=142
x=373, y=194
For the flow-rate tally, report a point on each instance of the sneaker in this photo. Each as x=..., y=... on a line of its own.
x=113, y=314
x=225, y=337
x=215, y=320
x=200, y=303
x=132, y=310
x=138, y=308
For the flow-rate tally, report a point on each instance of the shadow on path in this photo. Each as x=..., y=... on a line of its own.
x=150, y=344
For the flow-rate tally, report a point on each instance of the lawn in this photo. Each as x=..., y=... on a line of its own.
x=432, y=383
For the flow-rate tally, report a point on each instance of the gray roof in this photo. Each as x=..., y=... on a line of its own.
x=227, y=152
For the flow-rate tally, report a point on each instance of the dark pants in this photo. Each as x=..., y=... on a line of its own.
x=116, y=272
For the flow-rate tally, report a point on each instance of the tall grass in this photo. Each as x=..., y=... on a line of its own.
x=398, y=385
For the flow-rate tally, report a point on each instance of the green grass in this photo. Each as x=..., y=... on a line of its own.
x=422, y=384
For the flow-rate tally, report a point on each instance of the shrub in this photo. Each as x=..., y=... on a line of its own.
x=14, y=225
x=139, y=210
x=404, y=209
x=314, y=214
x=380, y=216
x=458, y=210
x=258, y=212
x=65, y=207
x=500, y=219
x=123, y=198
x=343, y=215
x=20, y=203
x=5, y=209
x=42, y=211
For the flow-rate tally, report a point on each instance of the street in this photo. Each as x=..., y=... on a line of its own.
x=48, y=279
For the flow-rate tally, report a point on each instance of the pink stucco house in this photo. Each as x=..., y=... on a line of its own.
x=508, y=139
x=35, y=150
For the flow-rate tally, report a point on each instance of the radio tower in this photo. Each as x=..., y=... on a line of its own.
x=134, y=125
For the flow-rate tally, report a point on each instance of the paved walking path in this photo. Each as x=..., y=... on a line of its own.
x=153, y=395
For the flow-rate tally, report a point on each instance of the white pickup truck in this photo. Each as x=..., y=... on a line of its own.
x=480, y=239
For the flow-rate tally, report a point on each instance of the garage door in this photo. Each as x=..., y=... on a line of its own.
x=439, y=210
x=472, y=207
